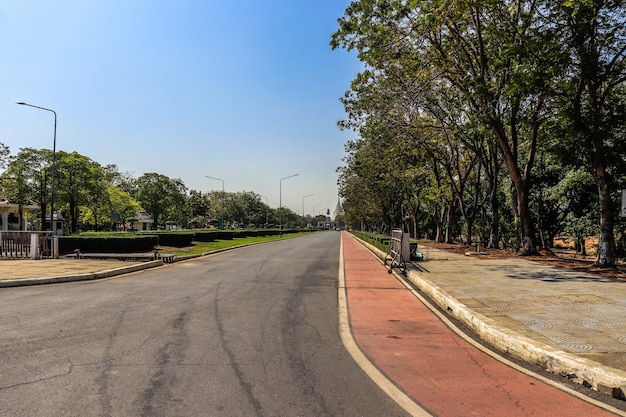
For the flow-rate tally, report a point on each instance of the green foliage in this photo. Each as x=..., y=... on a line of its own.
x=175, y=239
x=161, y=196
x=382, y=242
x=205, y=236
x=451, y=91
x=79, y=182
x=4, y=155
x=225, y=235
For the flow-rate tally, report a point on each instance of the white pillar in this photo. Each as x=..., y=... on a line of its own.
x=55, y=247
x=34, y=246
x=5, y=220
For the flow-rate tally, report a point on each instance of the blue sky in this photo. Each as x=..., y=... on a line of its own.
x=244, y=91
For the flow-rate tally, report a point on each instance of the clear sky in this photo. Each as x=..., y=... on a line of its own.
x=245, y=91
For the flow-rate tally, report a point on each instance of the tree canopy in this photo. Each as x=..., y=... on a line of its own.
x=453, y=90
x=91, y=196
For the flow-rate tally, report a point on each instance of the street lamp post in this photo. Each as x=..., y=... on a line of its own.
x=54, y=160
x=267, y=207
x=213, y=178
x=303, y=219
x=280, y=202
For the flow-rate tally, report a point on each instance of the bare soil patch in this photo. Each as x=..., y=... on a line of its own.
x=566, y=259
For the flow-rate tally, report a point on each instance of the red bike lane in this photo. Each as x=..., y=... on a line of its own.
x=438, y=369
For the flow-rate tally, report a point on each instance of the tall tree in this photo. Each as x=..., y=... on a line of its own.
x=80, y=183
x=497, y=56
x=161, y=196
x=4, y=155
x=592, y=99
x=27, y=178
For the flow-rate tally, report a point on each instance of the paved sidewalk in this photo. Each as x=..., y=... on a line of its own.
x=27, y=272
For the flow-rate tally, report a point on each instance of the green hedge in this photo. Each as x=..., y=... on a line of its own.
x=205, y=236
x=175, y=239
x=147, y=240
x=108, y=244
x=225, y=235
x=382, y=242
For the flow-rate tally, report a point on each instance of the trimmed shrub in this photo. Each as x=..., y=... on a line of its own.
x=175, y=239
x=225, y=235
x=108, y=244
x=209, y=236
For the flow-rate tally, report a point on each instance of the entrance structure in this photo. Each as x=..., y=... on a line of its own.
x=7, y=208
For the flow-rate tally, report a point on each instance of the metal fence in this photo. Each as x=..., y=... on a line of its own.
x=27, y=245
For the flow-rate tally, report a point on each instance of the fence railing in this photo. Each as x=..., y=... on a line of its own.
x=28, y=245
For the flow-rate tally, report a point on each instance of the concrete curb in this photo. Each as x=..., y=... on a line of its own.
x=81, y=277
x=605, y=379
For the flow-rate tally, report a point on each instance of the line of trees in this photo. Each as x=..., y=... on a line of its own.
x=502, y=120
x=91, y=196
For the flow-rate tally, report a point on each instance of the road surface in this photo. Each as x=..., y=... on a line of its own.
x=250, y=332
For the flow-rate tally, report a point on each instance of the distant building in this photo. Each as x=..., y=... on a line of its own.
x=59, y=223
x=331, y=223
x=143, y=221
x=338, y=210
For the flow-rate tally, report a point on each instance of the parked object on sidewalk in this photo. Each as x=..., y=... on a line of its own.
x=399, y=251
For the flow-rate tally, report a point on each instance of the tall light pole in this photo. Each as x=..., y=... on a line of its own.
x=280, y=202
x=267, y=207
x=213, y=178
x=53, y=227
x=303, y=220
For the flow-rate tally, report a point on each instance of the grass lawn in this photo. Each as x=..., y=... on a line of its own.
x=204, y=247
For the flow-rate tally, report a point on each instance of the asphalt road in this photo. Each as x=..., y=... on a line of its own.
x=250, y=332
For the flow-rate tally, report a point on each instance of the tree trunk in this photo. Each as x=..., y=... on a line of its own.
x=468, y=232
x=528, y=241
x=583, y=248
x=494, y=230
x=450, y=222
x=43, y=207
x=606, y=244
x=520, y=199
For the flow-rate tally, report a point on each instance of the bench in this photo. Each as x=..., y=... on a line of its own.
x=133, y=257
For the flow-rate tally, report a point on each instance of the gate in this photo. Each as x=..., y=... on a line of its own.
x=28, y=245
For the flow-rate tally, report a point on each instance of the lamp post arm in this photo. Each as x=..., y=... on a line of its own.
x=54, y=160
